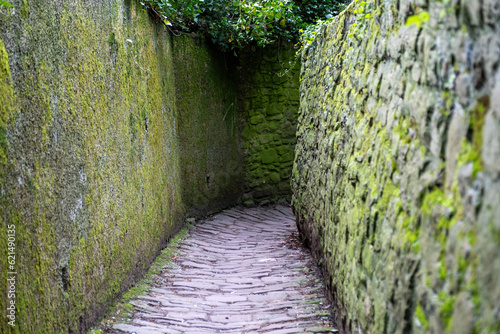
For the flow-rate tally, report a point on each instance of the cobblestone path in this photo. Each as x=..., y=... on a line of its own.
x=241, y=271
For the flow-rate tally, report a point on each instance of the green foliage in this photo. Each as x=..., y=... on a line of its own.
x=5, y=3
x=418, y=19
x=364, y=12
x=234, y=24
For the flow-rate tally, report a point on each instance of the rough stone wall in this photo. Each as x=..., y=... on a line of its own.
x=397, y=172
x=91, y=174
x=268, y=106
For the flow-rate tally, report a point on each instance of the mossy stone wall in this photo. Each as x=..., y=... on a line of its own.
x=93, y=148
x=396, y=177
x=268, y=107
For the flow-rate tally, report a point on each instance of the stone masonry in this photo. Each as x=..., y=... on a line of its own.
x=268, y=105
x=397, y=172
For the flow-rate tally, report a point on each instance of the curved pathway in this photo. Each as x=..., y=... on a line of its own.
x=241, y=271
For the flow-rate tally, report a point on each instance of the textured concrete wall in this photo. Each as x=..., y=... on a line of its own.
x=206, y=100
x=90, y=152
x=397, y=172
x=268, y=106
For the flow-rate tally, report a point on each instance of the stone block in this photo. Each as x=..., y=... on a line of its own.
x=283, y=149
x=471, y=12
x=265, y=138
x=286, y=157
x=495, y=98
x=463, y=314
x=491, y=143
x=263, y=191
x=491, y=11
x=269, y=156
x=457, y=131
x=274, y=177
x=256, y=119
x=273, y=109
x=284, y=187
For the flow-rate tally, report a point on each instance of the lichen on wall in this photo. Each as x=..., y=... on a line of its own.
x=91, y=174
x=396, y=179
x=268, y=106
x=206, y=100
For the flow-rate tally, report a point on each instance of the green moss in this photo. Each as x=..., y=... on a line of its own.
x=86, y=238
x=442, y=270
x=419, y=313
x=419, y=19
x=212, y=174
x=446, y=310
x=434, y=198
x=471, y=150
x=371, y=202
x=8, y=216
x=162, y=261
x=469, y=153
x=6, y=107
x=25, y=9
x=477, y=123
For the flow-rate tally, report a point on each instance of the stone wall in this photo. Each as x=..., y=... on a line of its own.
x=268, y=107
x=396, y=178
x=93, y=150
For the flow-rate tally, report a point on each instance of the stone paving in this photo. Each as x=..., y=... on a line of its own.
x=241, y=271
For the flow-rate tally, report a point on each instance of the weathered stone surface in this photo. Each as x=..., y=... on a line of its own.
x=269, y=156
x=269, y=99
x=397, y=165
x=495, y=99
x=491, y=136
x=268, y=283
x=457, y=131
x=211, y=160
x=107, y=125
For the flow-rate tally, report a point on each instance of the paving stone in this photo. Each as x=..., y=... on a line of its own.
x=143, y=330
x=321, y=330
x=235, y=275
x=286, y=331
x=188, y=315
x=288, y=325
x=268, y=297
x=231, y=318
x=196, y=285
x=227, y=298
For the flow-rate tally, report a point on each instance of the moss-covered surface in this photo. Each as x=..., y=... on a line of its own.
x=394, y=177
x=268, y=104
x=123, y=310
x=206, y=99
x=6, y=229
x=90, y=147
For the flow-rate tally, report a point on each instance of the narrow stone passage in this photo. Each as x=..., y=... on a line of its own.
x=241, y=271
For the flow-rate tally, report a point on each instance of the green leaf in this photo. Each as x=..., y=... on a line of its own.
x=5, y=3
x=235, y=23
x=418, y=19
